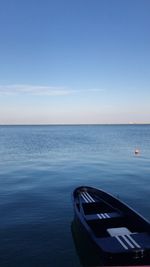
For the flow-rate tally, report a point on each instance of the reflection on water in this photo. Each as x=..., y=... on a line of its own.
x=84, y=248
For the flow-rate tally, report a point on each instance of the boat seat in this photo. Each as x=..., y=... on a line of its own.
x=123, y=235
x=104, y=215
x=124, y=243
x=87, y=198
x=118, y=231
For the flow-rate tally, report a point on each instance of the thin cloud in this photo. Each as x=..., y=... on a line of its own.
x=33, y=90
x=37, y=90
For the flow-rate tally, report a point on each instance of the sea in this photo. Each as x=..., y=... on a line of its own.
x=40, y=166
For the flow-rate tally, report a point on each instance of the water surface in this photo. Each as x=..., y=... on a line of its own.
x=39, y=168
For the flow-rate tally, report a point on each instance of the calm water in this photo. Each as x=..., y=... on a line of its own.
x=39, y=168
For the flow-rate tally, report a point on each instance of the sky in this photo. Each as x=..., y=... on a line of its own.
x=74, y=62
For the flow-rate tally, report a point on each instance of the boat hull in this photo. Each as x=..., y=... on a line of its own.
x=138, y=256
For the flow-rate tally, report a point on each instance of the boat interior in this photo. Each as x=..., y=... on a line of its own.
x=114, y=227
x=102, y=216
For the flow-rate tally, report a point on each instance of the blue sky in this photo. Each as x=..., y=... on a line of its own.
x=66, y=61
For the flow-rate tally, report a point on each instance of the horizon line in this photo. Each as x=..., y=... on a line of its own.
x=73, y=124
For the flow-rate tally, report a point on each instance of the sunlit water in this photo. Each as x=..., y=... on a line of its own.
x=39, y=168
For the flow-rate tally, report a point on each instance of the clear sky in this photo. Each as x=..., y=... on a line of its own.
x=74, y=61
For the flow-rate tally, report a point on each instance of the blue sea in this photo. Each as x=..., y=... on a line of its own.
x=39, y=168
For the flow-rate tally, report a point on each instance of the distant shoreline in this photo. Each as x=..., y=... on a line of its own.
x=79, y=124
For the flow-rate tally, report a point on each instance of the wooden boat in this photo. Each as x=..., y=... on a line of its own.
x=119, y=234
